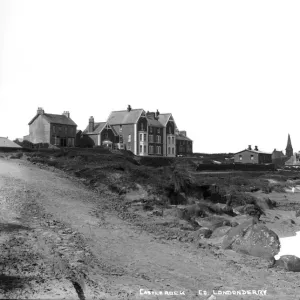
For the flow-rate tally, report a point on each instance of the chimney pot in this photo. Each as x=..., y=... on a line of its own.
x=129, y=108
x=256, y=148
x=249, y=147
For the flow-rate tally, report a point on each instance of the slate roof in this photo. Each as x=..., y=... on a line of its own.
x=98, y=127
x=182, y=138
x=164, y=118
x=6, y=143
x=124, y=117
x=153, y=122
x=56, y=119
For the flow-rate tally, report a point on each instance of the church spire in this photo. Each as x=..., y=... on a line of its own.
x=289, y=148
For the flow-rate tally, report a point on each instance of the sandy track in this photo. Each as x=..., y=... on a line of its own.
x=60, y=242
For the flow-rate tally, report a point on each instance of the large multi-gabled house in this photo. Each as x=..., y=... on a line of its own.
x=59, y=130
x=143, y=133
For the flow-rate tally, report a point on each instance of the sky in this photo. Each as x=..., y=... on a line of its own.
x=228, y=71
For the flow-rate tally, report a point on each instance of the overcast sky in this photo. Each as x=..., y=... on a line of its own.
x=228, y=71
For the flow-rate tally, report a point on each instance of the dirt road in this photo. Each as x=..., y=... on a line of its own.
x=59, y=240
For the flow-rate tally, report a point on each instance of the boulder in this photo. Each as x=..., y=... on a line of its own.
x=234, y=224
x=288, y=263
x=201, y=233
x=220, y=231
x=252, y=239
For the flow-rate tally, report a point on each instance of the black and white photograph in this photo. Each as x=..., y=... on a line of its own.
x=149, y=150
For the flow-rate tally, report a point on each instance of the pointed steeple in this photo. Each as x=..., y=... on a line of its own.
x=289, y=149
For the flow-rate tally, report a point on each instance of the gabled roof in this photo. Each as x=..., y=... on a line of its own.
x=254, y=151
x=6, y=143
x=164, y=118
x=182, y=138
x=57, y=119
x=152, y=121
x=124, y=117
x=98, y=127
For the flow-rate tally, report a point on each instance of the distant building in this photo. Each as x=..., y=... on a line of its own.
x=184, y=145
x=5, y=143
x=252, y=156
x=52, y=129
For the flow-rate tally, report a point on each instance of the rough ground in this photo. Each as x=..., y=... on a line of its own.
x=60, y=240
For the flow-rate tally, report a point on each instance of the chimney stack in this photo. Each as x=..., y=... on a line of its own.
x=67, y=114
x=40, y=111
x=249, y=147
x=91, y=124
x=129, y=108
x=256, y=149
x=157, y=113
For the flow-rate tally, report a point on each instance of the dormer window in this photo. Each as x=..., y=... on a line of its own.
x=150, y=129
x=158, y=130
x=142, y=126
x=120, y=128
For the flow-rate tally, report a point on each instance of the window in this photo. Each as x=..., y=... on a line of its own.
x=145, y=149
x=141, y=149
x=121, y=139
x=59, y=128
x=173, y=140
x=169, y=150
x=158, y=150
x=142, y=126
x=169, y=140
x=241, y=157
x=145, y=137
x=141, y=137
x=158, y=139
x=150, y=129
x=129, y=138
x=151, y=149
x=173, y=150
x=66, y=130
x=105, y=135
x=251, y=157
x=158, y=130
x=121, y=128
x=53, y=129
x=150, y=138
x=170, y=130
x=129, y=146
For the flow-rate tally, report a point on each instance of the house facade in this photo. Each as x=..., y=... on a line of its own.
x=54, y=129
x=252, y=156
x=184, y=145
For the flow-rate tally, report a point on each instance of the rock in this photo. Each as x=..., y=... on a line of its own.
x=252, y=239
x=288, y=263
x=234, y=224
x=297, y=213
x=266, y=203
x=157, y=213
x=202, y=233
x=221, y=231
